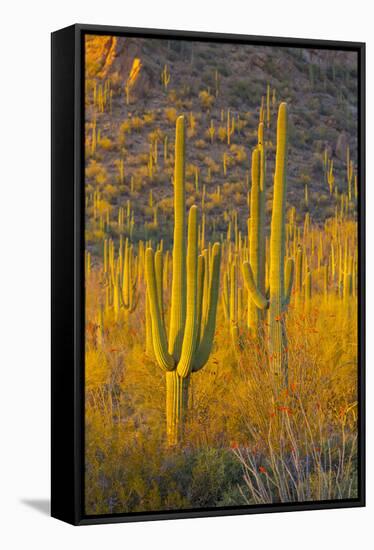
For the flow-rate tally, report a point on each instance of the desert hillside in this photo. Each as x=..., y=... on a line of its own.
x=137, y=87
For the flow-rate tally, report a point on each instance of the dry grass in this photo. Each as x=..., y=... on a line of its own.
x=296, y=445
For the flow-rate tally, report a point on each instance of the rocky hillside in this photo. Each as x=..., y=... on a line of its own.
x=136, y=87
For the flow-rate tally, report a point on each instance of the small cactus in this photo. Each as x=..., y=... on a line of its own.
x=165, y=77
x=129, y=298
x=230, y=127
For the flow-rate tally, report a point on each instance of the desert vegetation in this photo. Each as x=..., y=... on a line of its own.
x=221, y=272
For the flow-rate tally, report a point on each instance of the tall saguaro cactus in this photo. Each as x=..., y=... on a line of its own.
x=256, y=228
x=280, y=276
x=194, y=285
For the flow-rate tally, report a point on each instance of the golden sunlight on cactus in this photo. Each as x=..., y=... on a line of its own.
x=185, y=353
x=221, y=275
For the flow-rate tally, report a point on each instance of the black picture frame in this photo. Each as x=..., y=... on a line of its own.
x=67, y=453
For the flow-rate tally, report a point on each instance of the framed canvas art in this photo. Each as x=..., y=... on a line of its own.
x=207, y=274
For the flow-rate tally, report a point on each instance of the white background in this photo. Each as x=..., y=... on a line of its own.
x=25, y=272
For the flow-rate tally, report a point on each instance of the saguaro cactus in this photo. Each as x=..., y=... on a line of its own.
x=256, y=235
x=129, y=279
x=165, y=77
x=280, y=278
x=190, y=334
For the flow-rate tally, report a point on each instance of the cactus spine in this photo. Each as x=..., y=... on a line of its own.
x=230, y=126
x=190, y=340
x=280, y=278
x=165, y=77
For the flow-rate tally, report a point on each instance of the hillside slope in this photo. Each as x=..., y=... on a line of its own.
x=130, y=111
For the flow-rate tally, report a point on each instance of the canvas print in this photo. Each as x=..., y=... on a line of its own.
x=221, y=274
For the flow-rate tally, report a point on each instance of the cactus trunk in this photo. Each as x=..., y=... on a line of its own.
x=176, y=406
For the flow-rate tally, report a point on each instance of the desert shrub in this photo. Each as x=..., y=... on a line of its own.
x=171, y=114
x=137, y=123
x=239, y=153
x=213, y=473
x=93, y=169
x=210, y=163
x=222, y=133
x=106, y=144
x=110, y=190
x=148, y=118
x=206, y=100
x=200, y=144
x=125, y=127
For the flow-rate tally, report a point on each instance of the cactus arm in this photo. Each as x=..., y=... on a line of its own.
x=200, y=290
x=190, y=332
x=148, y=327
x=126, y=275
x=255, y=236
x=257, y=296
x=178, y=291
x=159, y=282
x=290, y=269
x=205, y=254
x=255, y=220
x=136, y=268
x=132, y=281
x=164, y=359
x=262, y=252
x=225, y=297
x=260, y=134
x=134, y=296
x=205, y=347
x=277, y=240
x=129, y=296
